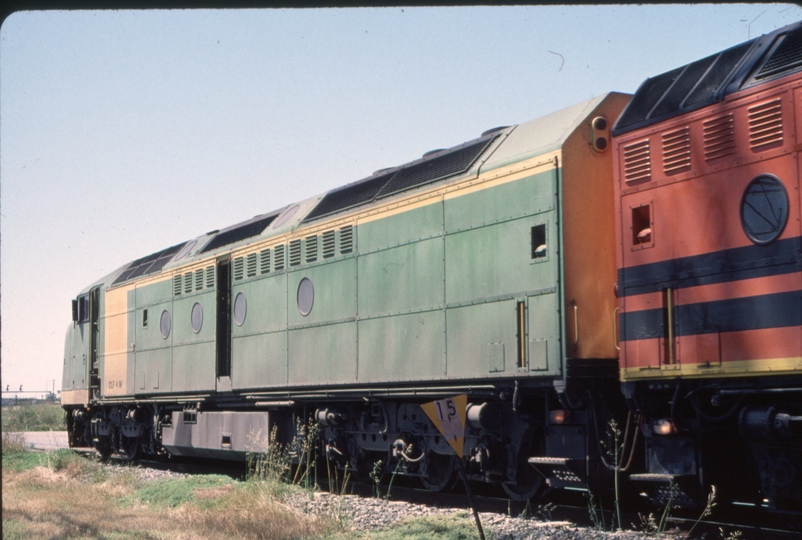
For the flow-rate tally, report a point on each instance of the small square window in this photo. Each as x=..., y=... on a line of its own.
x=145, y=318
x=539, y=247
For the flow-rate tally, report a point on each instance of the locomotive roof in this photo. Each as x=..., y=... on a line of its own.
x=517, y=143
x=711, y=79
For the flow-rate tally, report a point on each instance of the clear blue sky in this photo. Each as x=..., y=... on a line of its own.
x=124, y=132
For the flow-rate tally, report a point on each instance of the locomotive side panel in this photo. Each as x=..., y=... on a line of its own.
x=259, y=350
x=117, y=369
x=589, y=234
x=321, y=307
x=695, y=243
x=154, y=337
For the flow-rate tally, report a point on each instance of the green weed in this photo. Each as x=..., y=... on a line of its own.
x=177, y=491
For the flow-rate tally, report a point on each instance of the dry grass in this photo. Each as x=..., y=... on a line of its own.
x=78, y=499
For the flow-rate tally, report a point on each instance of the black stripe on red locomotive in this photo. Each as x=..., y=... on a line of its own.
x=753, y=261
x=732, y=315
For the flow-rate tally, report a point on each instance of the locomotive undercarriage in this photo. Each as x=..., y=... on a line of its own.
x=741, y=441
x=527, y=440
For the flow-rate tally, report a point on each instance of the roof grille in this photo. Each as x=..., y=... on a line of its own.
x=766, y=125
x=311, y=248
x=450, y=163
x=251, y=266
x=328, y=244
x=264, y=261
x=238, y=268
x=349, y=196
x=347, y=239
x=677, y=151
x=248, y=230
x=295, y=252
x=210, y=277
x=673, y=98
x=149, y=265
x=719, y=137
x=785, y=58
x=386, y=182
x=188, y=282
x=199, y=279
x=278, y=257
x=177, y=285
x=637, y=162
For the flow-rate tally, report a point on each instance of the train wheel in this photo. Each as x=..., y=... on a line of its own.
x=528, y=483
x=441, y=471
x=103, y=447
x=131, y=448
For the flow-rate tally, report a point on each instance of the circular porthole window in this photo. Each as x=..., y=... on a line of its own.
x=165, y=323
x=306, y=296
x=197, y=317
x=240, y=308
x=764, y=209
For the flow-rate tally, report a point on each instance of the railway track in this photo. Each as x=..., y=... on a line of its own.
x=741, y=521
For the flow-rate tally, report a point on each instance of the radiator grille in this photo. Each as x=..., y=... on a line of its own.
x=677, y=151
x=199, y=279
x=177, y=285
x=238, y=268
x=295, y=252
x=210, y=277
x=637, y=162
x=311, y=248
x=188, y=282
x=328, y=244
x=766, y=125
x=347, y=239
x=251, y=265
x=264, y=261
x=719, y=137
x=278, y=257
x=785, y=57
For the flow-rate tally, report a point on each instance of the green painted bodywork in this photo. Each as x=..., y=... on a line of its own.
x=429, y=292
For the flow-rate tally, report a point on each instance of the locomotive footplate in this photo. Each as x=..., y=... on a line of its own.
x=663, y=489
x=561, y=472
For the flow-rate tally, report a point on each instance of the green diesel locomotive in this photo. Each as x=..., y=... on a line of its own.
x=485, y=269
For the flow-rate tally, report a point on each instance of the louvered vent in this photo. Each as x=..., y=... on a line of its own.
x=177, y=285
x=278, y=258
x=264, y=261
x=210, y=277
x=766, y=125
x=199, y=279
x=347, y=239
x=719, y=134
x=295, y=253
x=328, y=244
x=188, y=282
x=637, y=162
x=251, y=266
x=311, y=248
x=677, y=151
x=787, y=57
x=238, y=268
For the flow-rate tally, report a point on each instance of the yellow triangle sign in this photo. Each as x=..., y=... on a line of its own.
x=448, y=415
